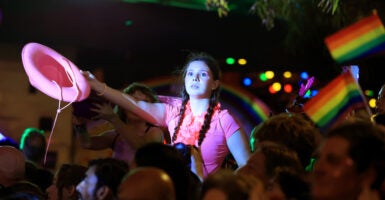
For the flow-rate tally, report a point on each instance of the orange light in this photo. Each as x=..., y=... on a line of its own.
x=271, y=90
x=288, y=88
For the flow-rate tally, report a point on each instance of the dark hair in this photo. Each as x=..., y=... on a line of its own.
x=291, y=130
x=83, y=108
x=69, y=175
x=234, y=186
x=292, y=183
x=168, y=158
x=366, y=146
x=22, y=190
x=109, y=172
x=131, y=89
x=33, y=144
x=40, y=176
x=280, y=156
x=185, y=151
x=214, y=98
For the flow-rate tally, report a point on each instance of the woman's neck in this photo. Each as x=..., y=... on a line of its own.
x=199, y=106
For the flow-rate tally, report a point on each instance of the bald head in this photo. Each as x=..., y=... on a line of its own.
x=146, y=183
x=12, y=165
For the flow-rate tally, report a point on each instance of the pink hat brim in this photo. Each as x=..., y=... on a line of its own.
x=53, y=74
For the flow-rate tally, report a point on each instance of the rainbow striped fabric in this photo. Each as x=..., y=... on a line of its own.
x=358, y=40
x=333, y=102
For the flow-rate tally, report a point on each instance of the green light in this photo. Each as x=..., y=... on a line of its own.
x=369, y=93
x=230, y=61
x=307, y=94
x=262, y=77
x=26, y=133
x=128, y=23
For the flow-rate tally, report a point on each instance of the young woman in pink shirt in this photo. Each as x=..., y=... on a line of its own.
x=198, y=121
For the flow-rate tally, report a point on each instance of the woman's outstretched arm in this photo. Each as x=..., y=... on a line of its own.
x=153, y=113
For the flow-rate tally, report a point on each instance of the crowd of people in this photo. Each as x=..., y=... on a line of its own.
x=164, y=151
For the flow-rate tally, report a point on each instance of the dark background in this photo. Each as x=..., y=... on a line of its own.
x=160, y=37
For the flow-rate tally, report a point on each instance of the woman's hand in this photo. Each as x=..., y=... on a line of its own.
x=95, y=84
x=104, y=111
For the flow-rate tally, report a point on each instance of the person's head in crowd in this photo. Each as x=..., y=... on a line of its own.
x=37, y=175
x=266, y=158
x=64, y=184
x=224, y=184
x=146, y=183
x=33, y=144
x=168, y=158
x=288, y=184
x=12, y=165
x=350, y=163
x=23, y=190
x=258, y=190
x=138, y=91
x=291, y=130
x=102, y=179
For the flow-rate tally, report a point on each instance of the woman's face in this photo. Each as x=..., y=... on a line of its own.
x=199, y=82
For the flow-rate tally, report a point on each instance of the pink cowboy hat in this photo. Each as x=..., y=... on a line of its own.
x=53, y=74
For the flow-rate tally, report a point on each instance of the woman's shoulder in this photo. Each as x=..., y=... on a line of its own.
x=224, y=113
x=170, y=100
x=224, y=117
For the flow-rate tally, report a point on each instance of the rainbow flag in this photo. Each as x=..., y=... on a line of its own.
x=335, y=101
x=360, y=39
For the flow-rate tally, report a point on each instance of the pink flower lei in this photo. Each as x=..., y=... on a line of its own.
x=189, y=129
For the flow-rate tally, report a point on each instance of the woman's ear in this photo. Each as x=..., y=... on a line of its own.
x=215, y=85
